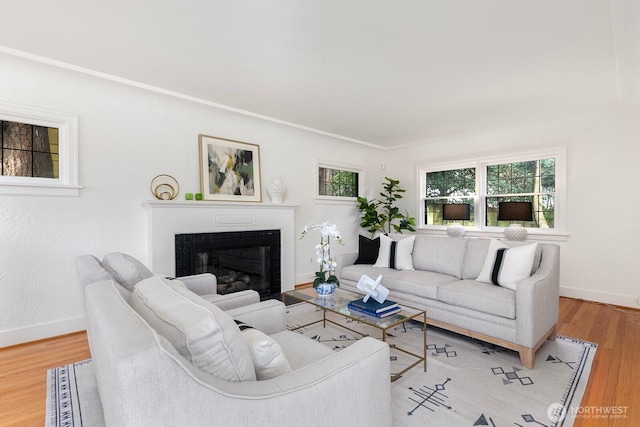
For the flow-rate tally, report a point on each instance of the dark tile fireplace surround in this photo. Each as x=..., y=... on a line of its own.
x=239, y=259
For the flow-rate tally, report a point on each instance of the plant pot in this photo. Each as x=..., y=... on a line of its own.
x=325, y=289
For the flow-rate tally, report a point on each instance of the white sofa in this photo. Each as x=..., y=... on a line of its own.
x=144, y=380
x=443, y=281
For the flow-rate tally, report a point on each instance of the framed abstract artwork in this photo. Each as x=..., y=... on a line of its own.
x=229, y=170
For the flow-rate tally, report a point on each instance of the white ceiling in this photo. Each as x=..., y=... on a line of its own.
x=382, y=72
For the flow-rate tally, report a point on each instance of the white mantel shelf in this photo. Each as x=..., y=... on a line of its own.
x=181, y=204
x=166, y=218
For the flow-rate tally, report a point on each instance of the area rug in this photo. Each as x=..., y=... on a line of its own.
x=467, y=383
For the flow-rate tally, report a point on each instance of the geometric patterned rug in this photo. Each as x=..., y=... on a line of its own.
x=467, y=383
x=470, y=382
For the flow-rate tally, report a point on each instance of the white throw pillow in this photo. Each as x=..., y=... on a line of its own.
x=201, y=332
x=268, y=358
x=125, y=269
x=505, y=266
x=395, y=253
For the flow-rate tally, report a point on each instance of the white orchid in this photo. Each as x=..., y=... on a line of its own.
x=323, y=251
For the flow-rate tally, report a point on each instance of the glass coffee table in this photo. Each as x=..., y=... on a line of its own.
x=338, y=304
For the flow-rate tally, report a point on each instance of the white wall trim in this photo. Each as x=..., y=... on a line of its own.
x=42, y=331
x=630, y=301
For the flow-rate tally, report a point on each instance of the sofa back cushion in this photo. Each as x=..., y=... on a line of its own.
x=126, y=269
x=439, y=254
x=474, y=257
x=201, y=332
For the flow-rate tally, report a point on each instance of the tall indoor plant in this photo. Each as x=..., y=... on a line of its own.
x=382, y=215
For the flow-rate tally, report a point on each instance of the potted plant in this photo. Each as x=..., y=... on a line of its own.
x=378, y=214
x=325, y=280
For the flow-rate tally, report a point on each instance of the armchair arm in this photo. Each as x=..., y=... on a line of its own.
x=537, y=298
x=267, y=316
x=347, y=382
x=201, y=284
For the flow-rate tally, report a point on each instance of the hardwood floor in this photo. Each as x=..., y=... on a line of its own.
x=614, y=384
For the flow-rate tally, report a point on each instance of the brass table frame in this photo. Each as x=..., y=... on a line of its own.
x=337, y=304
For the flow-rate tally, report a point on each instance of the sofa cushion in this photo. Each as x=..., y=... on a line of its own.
x=395, y=254
x=478, y=296
x=439, y=254
x=416, y=282
x=367, y=250
x=268, y=358
x=474, y=256
x=506, y=266
x=201, y=332
x=125, y=269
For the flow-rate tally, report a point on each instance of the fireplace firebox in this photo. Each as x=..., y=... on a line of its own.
x=239, y=259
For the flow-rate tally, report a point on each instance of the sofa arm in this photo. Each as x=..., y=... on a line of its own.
x=344, y=260
x=201, y=284
x=537, y=299
x=267, y=316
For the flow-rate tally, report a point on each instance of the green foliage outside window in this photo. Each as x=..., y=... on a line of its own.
x=337, y=182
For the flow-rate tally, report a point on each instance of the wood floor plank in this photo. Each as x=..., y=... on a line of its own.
x=614, y=382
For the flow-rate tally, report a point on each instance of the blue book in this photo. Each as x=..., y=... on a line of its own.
x=374, y=306
x=389, y=312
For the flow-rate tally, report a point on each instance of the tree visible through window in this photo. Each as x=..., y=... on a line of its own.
x=537, y=177
x=337, y=182
x=531, y=181
x=29, y=150
x=449, y=186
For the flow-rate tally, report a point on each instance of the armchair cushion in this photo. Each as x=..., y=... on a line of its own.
x=268, y=358
x=200, y=331
x=125, y=269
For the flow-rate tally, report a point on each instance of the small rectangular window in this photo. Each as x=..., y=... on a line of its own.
x=38, y=151
x=29, y=150
x=335, y=182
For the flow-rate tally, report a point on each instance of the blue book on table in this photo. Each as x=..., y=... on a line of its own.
x=373, y=306
x=381, y=314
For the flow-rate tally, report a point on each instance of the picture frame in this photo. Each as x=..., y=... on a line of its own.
x=229, y=170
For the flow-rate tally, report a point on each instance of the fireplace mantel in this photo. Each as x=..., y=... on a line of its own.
x=165, y=219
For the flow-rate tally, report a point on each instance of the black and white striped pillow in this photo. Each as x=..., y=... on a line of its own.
x=505, y=266
x=395, y=254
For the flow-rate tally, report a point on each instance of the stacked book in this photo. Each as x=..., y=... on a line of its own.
x=374, y=308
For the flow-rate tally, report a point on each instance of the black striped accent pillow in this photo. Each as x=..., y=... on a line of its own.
x=497, y=265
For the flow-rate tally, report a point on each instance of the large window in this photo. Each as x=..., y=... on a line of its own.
x=535, y=177
x=338, y=182
x=38, y=151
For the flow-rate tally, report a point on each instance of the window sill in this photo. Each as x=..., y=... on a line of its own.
x=38, y=189
x=351, y=201
x=531, y=235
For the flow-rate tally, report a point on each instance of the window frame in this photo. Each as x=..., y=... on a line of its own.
x=67, y=124
x=480, y=163
x=340, y=166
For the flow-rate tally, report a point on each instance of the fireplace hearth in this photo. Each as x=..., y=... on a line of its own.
x=239, y=259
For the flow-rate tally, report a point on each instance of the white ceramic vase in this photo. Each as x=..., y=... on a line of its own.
x=276, y=190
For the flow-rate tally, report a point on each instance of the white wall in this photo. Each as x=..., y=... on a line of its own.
x=129, y=135
x=126, y=137
x=599, y=259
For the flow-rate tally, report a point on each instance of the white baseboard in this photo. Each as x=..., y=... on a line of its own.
x=41, y=331
x=603, y=297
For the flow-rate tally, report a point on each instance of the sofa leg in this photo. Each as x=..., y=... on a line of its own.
x=527, y=357
x=552, y=334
